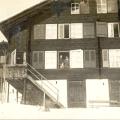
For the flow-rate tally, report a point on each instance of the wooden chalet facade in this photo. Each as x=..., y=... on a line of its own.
x=74, y=44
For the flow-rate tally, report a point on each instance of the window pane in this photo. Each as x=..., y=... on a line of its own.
x=76, y=30
x=116, y=30
x=50, y=59
x=76, y=58
x=51, y=31
x=66, y=31
x=63, y=58
x=75, y=8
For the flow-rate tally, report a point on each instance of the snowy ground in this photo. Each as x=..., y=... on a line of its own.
x=15, y=111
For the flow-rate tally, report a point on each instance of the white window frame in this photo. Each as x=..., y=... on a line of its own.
x=75, y=8
x=111, y=29
x=63, y=33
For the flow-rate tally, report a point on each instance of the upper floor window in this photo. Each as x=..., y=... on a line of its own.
x=110, y=30
x=64, y=31
x=113, y=30
x=107, y=6
x=63, y=60
x=111, y=58
x=80, y=7
x=75, y=8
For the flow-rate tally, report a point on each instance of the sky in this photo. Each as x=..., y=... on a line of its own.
x=9, y=8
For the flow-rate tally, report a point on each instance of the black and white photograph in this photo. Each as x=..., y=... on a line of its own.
x=60, y=59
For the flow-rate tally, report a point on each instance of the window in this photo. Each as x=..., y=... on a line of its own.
x=111, y=58
x=51, y=31
x=113, y=30
x=104, y=6
x=75, y=8
x=38, y=59
x=76, y=58
x=63, y=60
x=101, y=6
x=89, y=58
x=76, y=30
x=50, y=60
x=80, y=7
x=64, y=31
x=39, y=31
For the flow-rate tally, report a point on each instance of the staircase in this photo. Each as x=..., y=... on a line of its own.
x=43, y=84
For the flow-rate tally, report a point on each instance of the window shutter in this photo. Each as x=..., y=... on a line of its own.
x=112, y=6
x=88, y=30
x=76, y=30
x=35, y=59
x=89, y=58
x=76, y=58
x=51, y=31
x=38, y=59
x=39, y=31
x=84, y=7
x=105, y=57
x=41, y=59
x=101, y=29
x=50, y=60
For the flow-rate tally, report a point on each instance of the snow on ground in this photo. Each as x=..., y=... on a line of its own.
x=17, y=111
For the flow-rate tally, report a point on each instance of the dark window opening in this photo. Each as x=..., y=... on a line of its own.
x=63, y=61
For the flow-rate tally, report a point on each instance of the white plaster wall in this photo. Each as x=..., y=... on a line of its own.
x=97, y=92
x=61, y=85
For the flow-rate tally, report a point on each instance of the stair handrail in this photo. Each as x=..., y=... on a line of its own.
x=44, y=78
x=41, y=75
x=41, y=81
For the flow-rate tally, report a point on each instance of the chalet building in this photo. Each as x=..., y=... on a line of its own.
x=65, y=53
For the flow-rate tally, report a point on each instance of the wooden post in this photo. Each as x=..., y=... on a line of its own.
x=8, y=93
x=24, y=92
x=44, y=103
x=17, y=96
